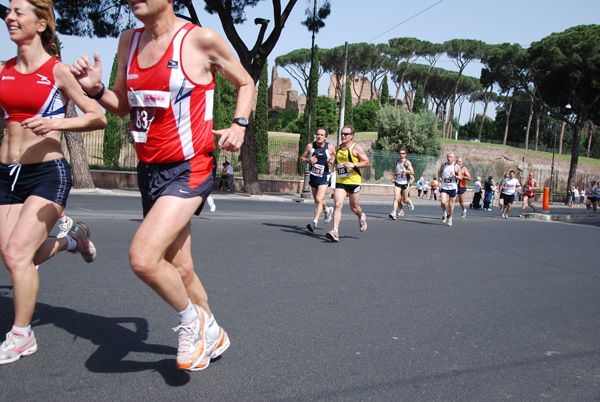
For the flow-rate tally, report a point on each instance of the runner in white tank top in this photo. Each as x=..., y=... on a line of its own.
x=449, y=177
x=402, y=184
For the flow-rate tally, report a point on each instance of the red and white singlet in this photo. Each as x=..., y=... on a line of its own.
x=26, y=95
x=171, y=116
x=530, y=192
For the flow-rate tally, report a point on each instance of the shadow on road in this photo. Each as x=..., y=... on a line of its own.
x=114, y=340
x=303, y=231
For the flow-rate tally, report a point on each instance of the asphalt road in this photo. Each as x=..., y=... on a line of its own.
x=411, y=310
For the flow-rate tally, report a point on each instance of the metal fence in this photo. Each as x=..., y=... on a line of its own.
x=93, y=143
x=283, y=162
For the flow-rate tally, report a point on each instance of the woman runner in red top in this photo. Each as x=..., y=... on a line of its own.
x=35, y=179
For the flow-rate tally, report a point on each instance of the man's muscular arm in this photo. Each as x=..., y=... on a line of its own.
x=89, y=76
x=224, y=61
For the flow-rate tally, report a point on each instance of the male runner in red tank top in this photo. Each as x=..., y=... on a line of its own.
x=165, y=79
x=529, y=194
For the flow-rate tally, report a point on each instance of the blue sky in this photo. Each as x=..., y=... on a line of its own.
x=376, y=21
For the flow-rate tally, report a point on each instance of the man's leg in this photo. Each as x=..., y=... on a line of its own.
x=215, y=339
x=179, y=254
x=443, y=202
x=319, y=197
x=508, y=208
x=526, y=202
x=505, y=207
x=406, y=198
x=397, y=202
x=338, y=197
x=461, y=201
x=354, y=206
x=451, y=202
x=162, y=226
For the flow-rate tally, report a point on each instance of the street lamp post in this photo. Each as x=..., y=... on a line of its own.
x=552, y=168
x=306, y=188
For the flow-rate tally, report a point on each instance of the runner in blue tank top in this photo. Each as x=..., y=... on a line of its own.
x=319, y=154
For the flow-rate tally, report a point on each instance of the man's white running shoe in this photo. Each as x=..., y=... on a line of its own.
x=444, y=218
x=362, y=223
x=449, y=222
x=464, y=214
x=333, y=236
x=190, y=349
x=211, y=204
x=63, y=228
x=328, y=214
x=401, y=213
x=411, y=207
x=213, y=349
x=392, y=216
x=17, y=345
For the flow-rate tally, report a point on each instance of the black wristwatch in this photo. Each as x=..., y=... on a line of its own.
x=241, y=121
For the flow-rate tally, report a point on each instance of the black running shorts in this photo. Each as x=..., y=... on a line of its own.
x=50, y=180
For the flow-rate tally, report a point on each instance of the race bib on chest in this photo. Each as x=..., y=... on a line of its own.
x=343, y=171
x=317, y=170
x=143, y=106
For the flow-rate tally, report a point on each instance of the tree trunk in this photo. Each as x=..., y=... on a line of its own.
x=248, y=156
x=443, y=115
x=461, y=101
x=450, y=118
x=537, y=127
x=592, y=129
x=574, y=158
x=82, y=178
x=529, y=124
x=397, y=94
x=487, y=102
x=562, y=133
x=507, y=119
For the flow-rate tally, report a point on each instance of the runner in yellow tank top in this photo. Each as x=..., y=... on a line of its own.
x=350, y=157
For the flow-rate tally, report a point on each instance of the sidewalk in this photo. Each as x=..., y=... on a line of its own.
x=557, y=211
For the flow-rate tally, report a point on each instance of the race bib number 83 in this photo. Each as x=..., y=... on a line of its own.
x=143, y=107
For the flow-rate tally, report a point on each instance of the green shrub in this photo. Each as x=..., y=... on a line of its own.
x=417, y=132
x=365, y=115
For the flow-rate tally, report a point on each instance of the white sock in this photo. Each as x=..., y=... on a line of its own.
x=315, y=224
x=212, y=331
x=25, y=331
x=72, y=243
x=190, y=314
